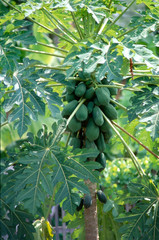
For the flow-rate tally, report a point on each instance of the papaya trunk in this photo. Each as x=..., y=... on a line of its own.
x=90, y=214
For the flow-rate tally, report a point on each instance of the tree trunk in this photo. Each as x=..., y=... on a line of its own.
x=90, y=214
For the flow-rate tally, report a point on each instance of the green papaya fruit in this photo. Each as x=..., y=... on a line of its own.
x=80, y=89
x=74, y=125
x=92, y=130
x=89, y=144
x=90, y=106
x=110, y=111
x=82, y=113
x=89, y=93
x=98, y=116
x=102, y=160
x=107, y=135
x=70, y=89
x=87, y=201
x=103, y=95
x=70, y=97
x=104, y=81
x=101, y=196
x=100, y=142
x=96, y=102
x=113, y=91
x=105, y=126
x=80, y=206
x=69, y=108
x=75, y=143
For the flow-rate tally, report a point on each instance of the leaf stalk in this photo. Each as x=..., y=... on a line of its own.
x=119, y=16
x=135, y=139
x=133, y=157
x=39, y=52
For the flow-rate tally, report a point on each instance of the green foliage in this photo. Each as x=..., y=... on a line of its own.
x=11, y=218
x=145, y=212
x=40, y=163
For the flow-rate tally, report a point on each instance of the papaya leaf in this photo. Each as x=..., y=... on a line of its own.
x=145, y=213
x=45, y=165
x=146, y=105
x=17, y=223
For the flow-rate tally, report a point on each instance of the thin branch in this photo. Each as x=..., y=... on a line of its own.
x=110, y=3
x=12, y=6
x=49, y=15
x=51, y=203
x=135, y=139
x=119, y=105
x=10, y=91
x=55, y=85
x=4, y=123
x=39, y=52
x=143, y=75
x=77, y=26
x=120, y=87
x=139, y=63
x=119, y=16
x=130, y=30
x=61, y=25
x=50, y=67
x=101, y=26
x=56, y=48
x=133, y=157
x=141, y=71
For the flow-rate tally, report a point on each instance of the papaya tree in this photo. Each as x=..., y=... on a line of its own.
x=69, y=61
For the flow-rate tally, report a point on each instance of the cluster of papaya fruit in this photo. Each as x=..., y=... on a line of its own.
x=88, y=127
